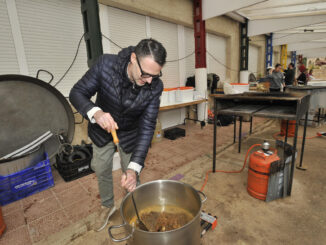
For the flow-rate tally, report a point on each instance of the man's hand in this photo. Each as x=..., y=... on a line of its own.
x=105, y=120
x=129, y=180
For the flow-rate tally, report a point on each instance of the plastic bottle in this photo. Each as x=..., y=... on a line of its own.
x=157, y=137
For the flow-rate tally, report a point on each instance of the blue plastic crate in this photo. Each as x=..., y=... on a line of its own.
x=26, y=182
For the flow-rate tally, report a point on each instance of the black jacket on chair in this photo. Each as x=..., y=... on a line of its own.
x=133, y=108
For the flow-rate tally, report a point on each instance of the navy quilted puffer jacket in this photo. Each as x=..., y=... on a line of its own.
x=134, y=109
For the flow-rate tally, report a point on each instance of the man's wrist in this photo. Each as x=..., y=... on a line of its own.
x=91, y=113
x=135, y=167
x=132, y=171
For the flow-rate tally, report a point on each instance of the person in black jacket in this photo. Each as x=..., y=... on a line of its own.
x=128, y=89
x=303, y=77
x=289, y=75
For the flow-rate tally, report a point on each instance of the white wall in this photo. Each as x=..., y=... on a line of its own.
x=276, y=58
x=8, y=58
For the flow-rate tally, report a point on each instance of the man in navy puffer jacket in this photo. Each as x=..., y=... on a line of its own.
x=128, y=90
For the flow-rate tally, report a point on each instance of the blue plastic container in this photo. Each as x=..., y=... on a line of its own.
x=26, y=182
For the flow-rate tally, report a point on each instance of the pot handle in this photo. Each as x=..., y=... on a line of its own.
x=116, y=227
x=205, y=197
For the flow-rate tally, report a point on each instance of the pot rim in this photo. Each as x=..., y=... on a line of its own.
x=160, y=232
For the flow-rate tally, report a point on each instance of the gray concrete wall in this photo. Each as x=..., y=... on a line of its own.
x=260, y=43
x=277, y=50
x=226, y=27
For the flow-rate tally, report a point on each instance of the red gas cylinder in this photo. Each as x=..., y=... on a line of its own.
x=291, y=128
x=2, y=223
x=258, y=172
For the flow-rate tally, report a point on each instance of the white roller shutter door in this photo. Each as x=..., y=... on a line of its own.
x=253, y=60
x=123, y=27
x=189, y=48
x=51, y=31
x=216, y=46
x=167, y=34
x=8, y=58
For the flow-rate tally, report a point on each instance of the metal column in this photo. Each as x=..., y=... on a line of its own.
x=244, y=46
x=92, y=30
x=269, y=50
x=200, y=35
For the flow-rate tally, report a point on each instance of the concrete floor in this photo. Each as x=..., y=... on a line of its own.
x=242, y=219
x=32, y=220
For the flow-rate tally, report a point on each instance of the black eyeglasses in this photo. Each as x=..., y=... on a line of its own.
x=146, y=75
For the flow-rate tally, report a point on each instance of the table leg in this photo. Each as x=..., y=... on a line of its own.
x=293, y=156
x=240, y=129
x=250, y=125
x=235, y=129
x=214, y=142
x=285, y=173
x=303, y=142
x=286, y=131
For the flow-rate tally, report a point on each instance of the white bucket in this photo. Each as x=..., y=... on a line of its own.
x=187, y=94
x=240, y=88
x=164, y=98
x=235, y=88
x=172, y=95
x=178, y=97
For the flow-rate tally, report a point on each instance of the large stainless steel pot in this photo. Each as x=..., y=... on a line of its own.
x=163, y=193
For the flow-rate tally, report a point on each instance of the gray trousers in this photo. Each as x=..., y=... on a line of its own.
x=102, y=163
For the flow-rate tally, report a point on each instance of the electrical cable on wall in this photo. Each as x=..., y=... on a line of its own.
x=263, y=40
x=110, y=40
x=72, y=63
x=221, y=63
x=181, y=58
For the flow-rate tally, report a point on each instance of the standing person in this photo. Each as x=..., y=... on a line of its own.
x=276, y=83
x=303, y=77
x=128, y=89
x=289, y=75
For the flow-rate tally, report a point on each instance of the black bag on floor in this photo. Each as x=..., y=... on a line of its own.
x=73, y=162
x=224, y=120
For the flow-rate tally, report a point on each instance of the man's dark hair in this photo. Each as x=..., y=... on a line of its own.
x=277, y=65
x=291, y=64
x=152, y=48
